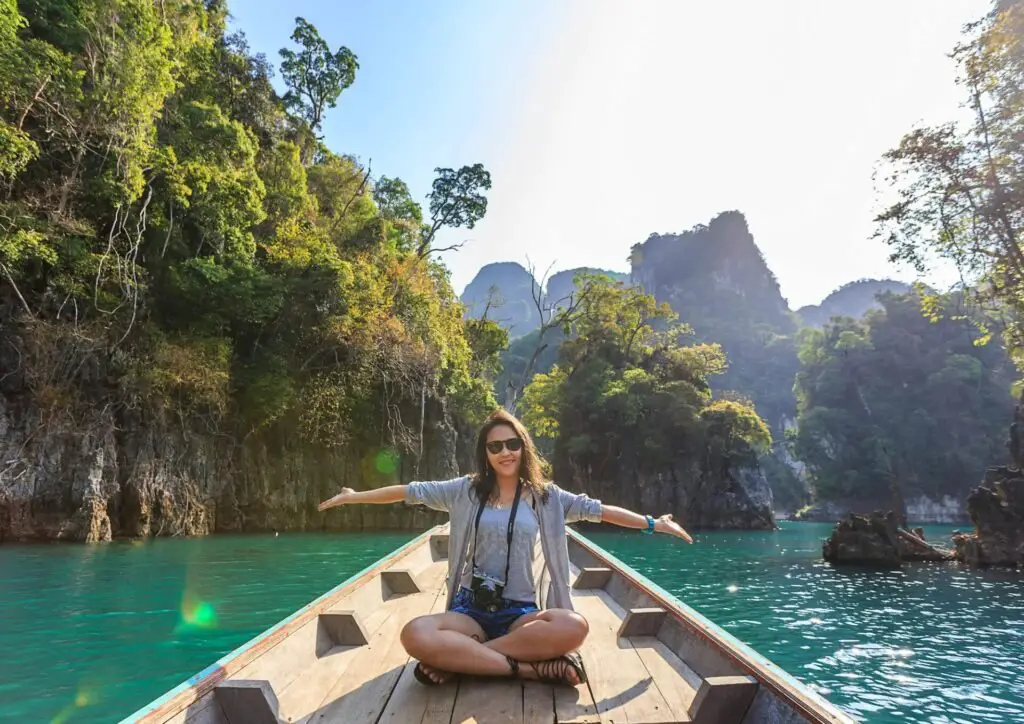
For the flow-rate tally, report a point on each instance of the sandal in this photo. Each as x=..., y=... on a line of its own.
x=553, y=671
x=424, y=678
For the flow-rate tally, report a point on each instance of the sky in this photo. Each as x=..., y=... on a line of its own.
x=602, y=121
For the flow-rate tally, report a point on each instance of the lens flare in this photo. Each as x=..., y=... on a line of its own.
x=386, y=461
x=83, y=697
x=197, y=614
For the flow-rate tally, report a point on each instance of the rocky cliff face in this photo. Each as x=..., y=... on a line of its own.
x=109, y=475
x=997, y=511
x=733, y=499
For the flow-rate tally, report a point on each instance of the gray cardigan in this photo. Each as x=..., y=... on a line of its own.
x=456, y=497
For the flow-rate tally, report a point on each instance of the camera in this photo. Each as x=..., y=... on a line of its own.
x=487, y=592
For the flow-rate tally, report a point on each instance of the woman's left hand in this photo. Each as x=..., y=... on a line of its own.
x=665, y=524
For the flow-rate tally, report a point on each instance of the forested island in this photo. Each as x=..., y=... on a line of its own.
x=210, y=319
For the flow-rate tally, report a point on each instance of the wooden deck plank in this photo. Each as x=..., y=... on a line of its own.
x=575, y=705
x=363, y=690
x=623, y=689
x=488, y=701
x=538, y=703
x=676, y=681
x=415, y=703
x=307, y=691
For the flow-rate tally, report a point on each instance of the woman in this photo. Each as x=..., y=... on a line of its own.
x=492, y=622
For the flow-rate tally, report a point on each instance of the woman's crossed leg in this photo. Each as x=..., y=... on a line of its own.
x=451, y=642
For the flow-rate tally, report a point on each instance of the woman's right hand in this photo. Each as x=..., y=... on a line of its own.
x=339, y=499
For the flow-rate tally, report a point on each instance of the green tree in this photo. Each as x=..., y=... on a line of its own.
x=629, y=401
x=16, y=147
x=315, y=76
x=169, y=227
x=960, y=186
x=397, y=206
x=457, y=200
x=899, y=401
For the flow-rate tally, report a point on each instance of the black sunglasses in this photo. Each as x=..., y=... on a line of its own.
x=513, y=444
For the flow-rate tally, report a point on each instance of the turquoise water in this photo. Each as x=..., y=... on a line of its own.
x=91, y=633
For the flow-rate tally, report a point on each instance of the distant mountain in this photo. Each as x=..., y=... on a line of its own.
x=508, y=286
x=561, y=285
x=850, y=300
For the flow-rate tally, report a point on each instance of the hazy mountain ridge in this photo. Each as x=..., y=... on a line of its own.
x=850, y=300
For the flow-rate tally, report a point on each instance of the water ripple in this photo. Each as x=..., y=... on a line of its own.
x=928, y=643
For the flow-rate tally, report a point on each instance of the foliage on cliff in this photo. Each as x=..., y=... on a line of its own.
x=175, y=237
x=627, y=398
x=898, y=396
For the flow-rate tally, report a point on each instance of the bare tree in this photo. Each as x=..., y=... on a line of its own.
x=552, y=314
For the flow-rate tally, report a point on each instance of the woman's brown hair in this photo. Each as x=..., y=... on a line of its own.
x=484, y=481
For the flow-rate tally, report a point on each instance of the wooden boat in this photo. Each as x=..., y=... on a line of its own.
x=649, y=659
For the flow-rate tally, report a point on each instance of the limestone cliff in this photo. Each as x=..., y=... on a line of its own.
x=698, y=497
x=108, y=475
x=505, y=290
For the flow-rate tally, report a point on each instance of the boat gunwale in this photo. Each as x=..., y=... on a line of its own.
x=805, y=700
x=202, y=683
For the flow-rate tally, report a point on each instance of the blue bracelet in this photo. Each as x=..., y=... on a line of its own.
x=650, y=525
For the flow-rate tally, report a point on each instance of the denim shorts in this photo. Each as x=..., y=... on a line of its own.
x=494, y=623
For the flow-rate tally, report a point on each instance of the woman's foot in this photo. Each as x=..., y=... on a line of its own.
x=565, y=670
x=431, y=676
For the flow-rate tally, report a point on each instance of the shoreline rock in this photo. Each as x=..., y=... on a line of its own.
x=997, y=511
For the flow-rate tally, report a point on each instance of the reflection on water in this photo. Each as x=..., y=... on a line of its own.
x=91, y=633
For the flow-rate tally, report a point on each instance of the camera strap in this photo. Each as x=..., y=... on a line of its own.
x=511, y=528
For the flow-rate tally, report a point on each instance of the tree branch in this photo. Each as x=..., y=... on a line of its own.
x=357, y=194
x=430, y=250
x=14, y=286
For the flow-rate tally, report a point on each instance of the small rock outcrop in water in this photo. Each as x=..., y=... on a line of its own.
x=877, y=540
x=996, y=508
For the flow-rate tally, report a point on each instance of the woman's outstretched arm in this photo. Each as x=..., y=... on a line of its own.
x=628, y=519
x=436, y=494
x=390, y=494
